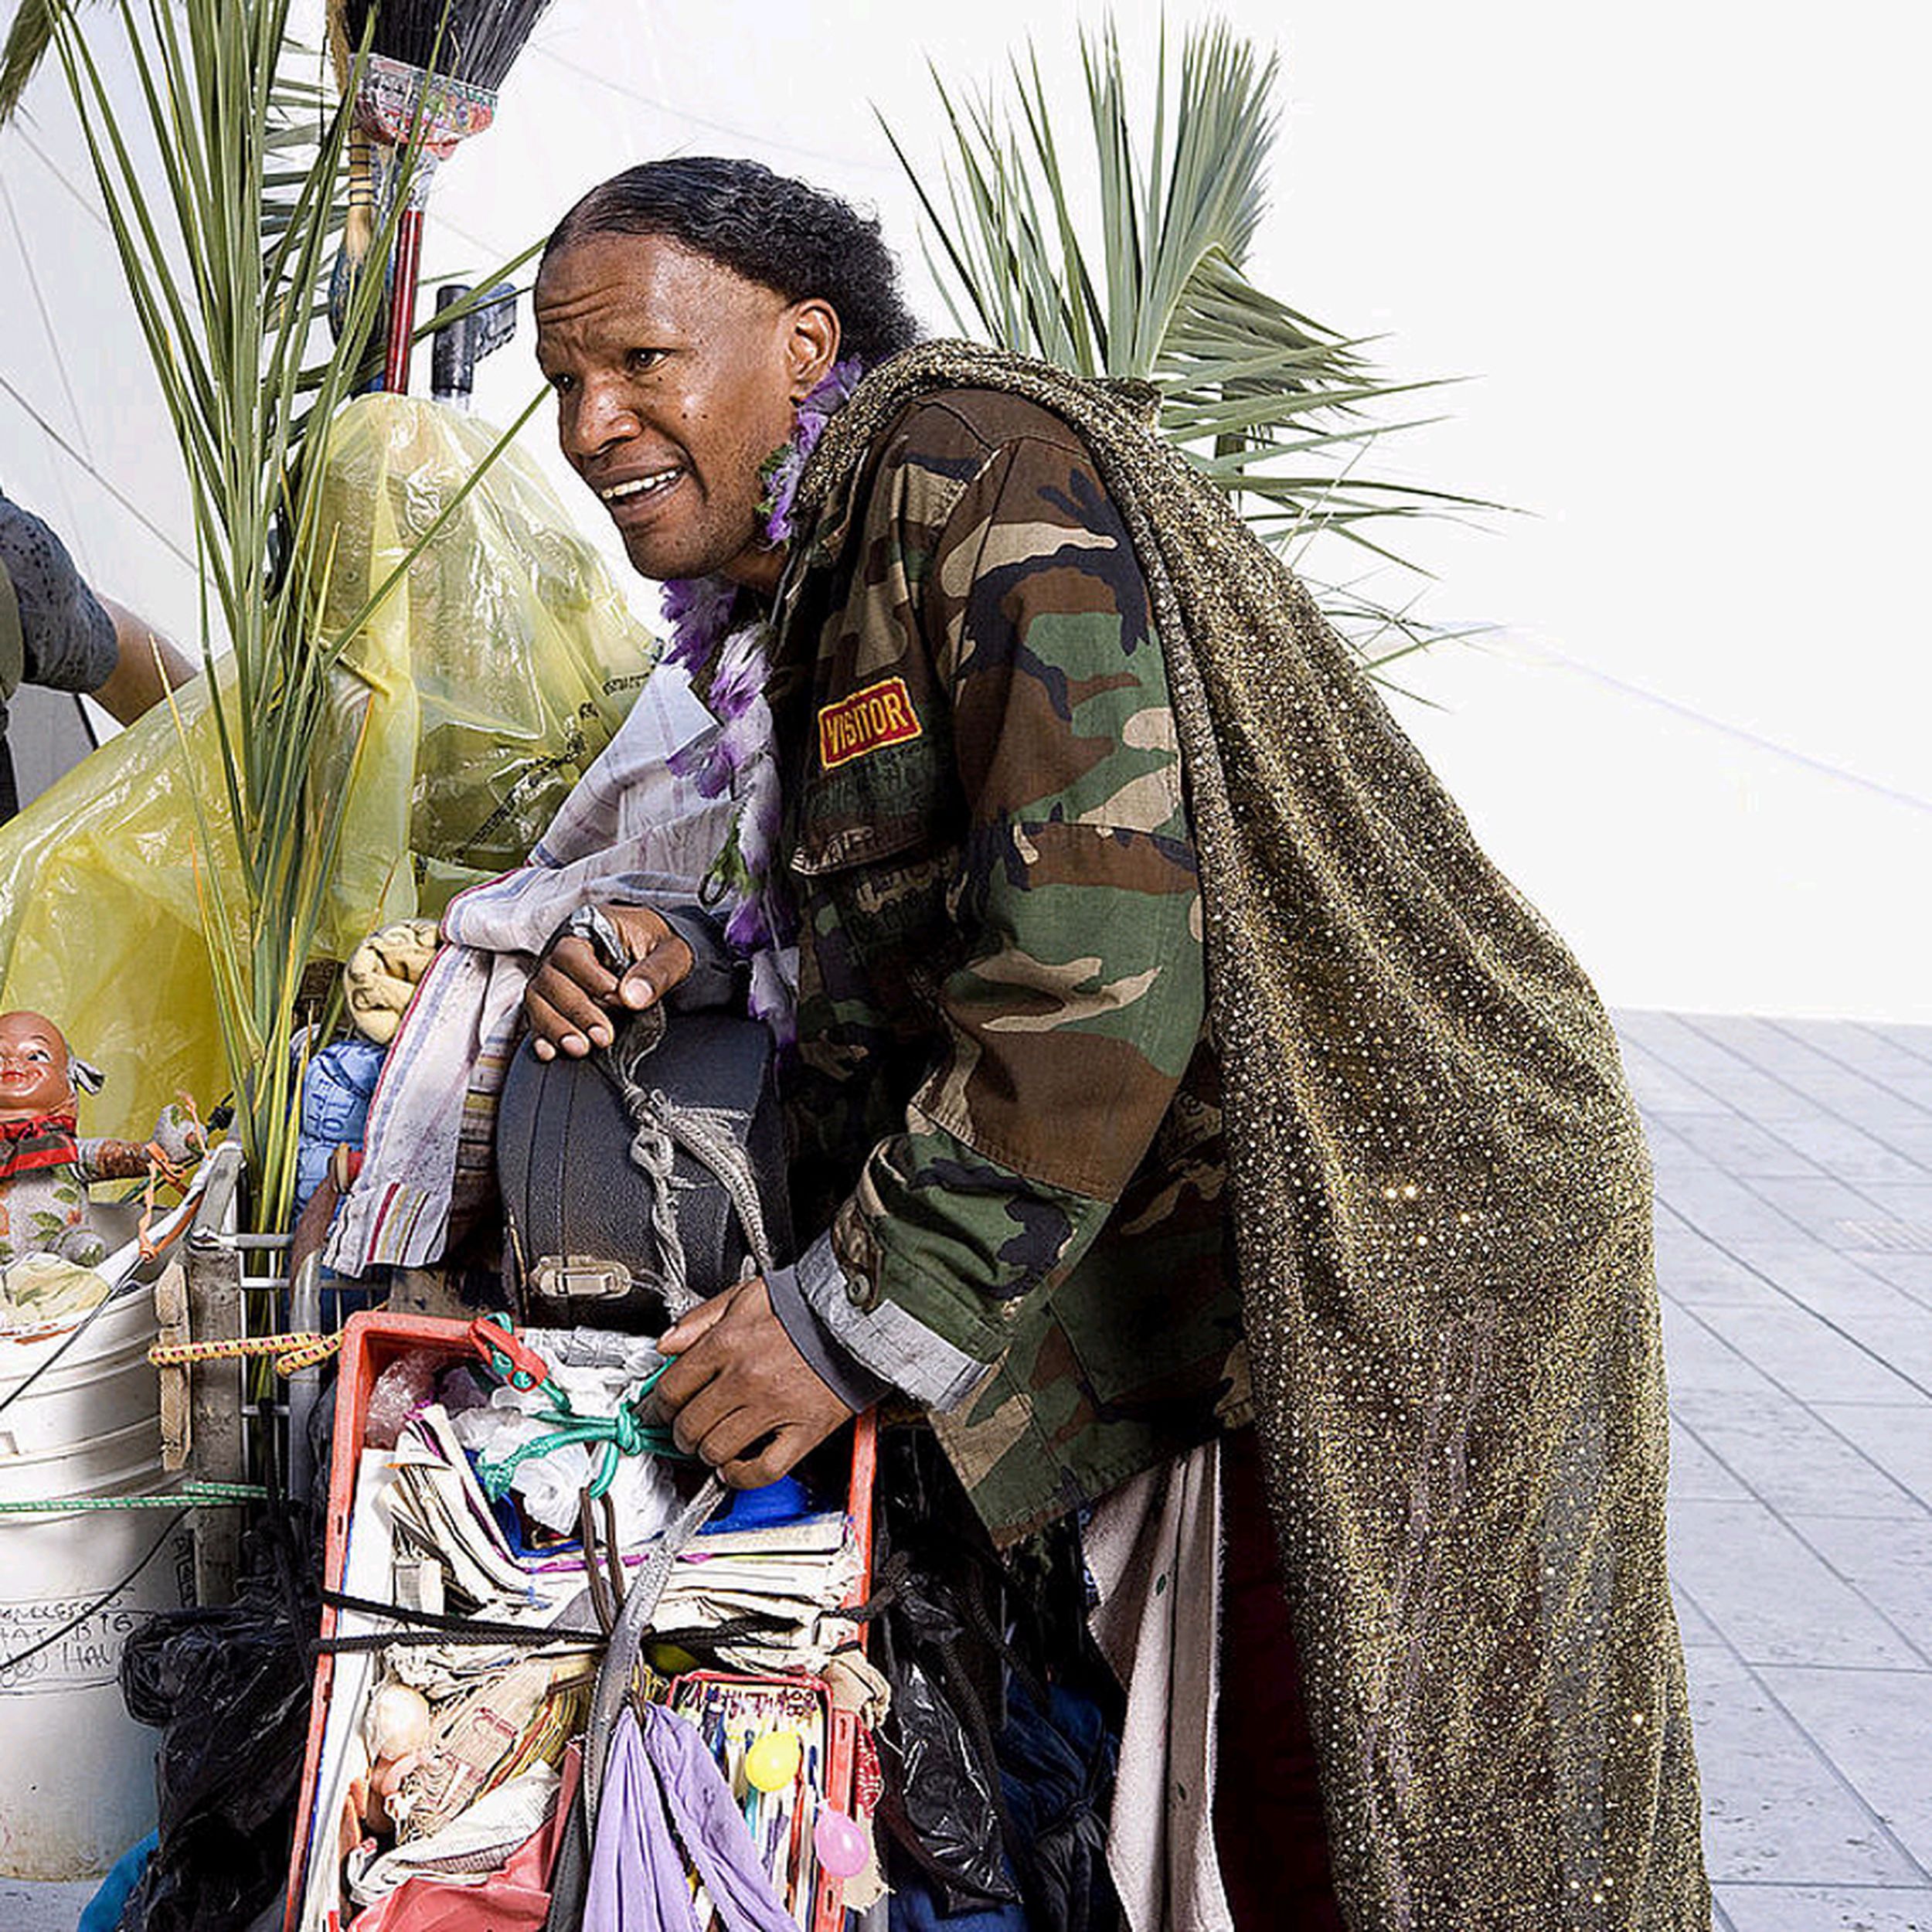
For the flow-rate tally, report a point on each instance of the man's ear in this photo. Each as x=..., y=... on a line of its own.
x=812, y=346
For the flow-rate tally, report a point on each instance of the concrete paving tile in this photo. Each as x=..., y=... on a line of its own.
x=1784, y=1455
x=1817, y=1908
x=1802, y=1269
x=1888, y=1564
x=1669, y=1150
x=1911, y=1274
x=27, y=1908
x=1810, y=1359
x=1913, y=1088
x=1692, y=1269
x=1858, y=1045
x=1915, y=1040
x=1776, y=1601
x=1695, y=1358
x=1725, y=1208
x=1901, y=1337
x=1848, y=1154
x=1757, y=1095
x=1741, y=1146
x=1693, y=1627
x=1818, y=1204
x=1686, y=1040
x=1898, y=1438
x=1661, y=1090
x=1873, y=1725
x=1694, y=1471
x=1774, y=1809
x=1901, y=1102
x=1909, y=1202
x=1788, y=1048
x=1764, y=1042
x=1758, y=1086
x=1913, y=1140
x=1827, y=1082
x=1904, y=1341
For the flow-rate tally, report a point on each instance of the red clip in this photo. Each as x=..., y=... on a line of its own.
x=508, y=1359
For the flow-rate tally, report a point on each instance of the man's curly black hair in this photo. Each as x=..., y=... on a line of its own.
x=783, y=234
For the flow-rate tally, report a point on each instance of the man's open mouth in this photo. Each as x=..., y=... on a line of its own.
x=639, y=489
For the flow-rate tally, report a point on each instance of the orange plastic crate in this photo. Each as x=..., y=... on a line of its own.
x=370, y=1343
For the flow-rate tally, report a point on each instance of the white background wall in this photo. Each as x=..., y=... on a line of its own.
x=1674, y=245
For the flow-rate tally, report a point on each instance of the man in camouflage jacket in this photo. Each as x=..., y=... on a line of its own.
x=1008, y=1163
x=1430, y=1204
x=1009, y=1171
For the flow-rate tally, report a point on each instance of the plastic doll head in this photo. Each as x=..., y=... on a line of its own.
x=36, y=1071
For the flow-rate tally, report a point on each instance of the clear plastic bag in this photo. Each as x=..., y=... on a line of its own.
x=480, y=691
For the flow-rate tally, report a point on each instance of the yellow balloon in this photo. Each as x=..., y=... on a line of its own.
x=773, y=1762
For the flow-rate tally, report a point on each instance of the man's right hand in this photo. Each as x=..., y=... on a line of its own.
x=572, y=996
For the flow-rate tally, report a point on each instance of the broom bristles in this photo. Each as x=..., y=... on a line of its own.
x=473, y=41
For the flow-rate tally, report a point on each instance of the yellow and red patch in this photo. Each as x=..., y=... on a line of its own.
x=869, y=720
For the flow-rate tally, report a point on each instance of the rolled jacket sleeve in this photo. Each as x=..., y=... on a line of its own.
x=1078, y=993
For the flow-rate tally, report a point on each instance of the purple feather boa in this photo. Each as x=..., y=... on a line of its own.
x=727, y=659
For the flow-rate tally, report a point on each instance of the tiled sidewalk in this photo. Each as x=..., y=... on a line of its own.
x=1793, y=1166
x=1794, y=1250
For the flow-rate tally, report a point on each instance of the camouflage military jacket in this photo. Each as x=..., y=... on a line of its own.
x=1005, y=1104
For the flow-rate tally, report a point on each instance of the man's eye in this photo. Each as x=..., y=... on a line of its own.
x=644, y=360
x=563, y=384
x=40, y=1055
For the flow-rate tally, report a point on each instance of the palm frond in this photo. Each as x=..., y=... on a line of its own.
x=1134, y=266
x=29, y=38
x=225, y=234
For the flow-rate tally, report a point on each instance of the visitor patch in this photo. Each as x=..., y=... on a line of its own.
x=880, y=715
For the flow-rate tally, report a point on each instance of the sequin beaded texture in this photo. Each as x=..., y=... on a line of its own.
x=1442, y=1205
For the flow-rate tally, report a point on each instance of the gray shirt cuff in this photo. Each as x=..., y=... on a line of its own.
x=849, y=1380
x=885, y=1344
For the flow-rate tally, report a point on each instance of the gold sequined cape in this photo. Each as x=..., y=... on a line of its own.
x=1442, y=1203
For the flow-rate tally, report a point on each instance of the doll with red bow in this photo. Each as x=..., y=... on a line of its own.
x=46, y=1166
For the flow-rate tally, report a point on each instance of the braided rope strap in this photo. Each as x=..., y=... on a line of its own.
x=301, y=1349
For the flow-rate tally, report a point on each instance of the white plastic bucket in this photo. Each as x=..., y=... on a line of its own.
x=79, y=1783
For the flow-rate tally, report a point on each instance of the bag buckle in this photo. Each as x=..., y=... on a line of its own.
x=578, y=1277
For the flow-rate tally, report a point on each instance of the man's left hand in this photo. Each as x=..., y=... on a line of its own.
x=740, y=1395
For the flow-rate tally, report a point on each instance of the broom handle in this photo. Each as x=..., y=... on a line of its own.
x=402, y=300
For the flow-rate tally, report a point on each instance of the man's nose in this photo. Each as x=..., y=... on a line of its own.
x=602, y=414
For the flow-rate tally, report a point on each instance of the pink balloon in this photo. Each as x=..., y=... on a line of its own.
x=842, y=1848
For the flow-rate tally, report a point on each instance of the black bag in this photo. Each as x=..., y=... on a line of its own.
x=229, y=1689
x=645, y=1178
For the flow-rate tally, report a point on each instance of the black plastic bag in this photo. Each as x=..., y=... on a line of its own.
x=999, y=1748
x=229, y=1690
x=941, y=1797
x=942, y=1802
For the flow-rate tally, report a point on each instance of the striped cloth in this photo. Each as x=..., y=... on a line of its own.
x=632, y=830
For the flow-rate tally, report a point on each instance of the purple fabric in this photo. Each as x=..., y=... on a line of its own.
x=637, y=1881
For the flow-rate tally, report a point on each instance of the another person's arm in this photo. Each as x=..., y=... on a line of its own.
x=147, y=665
x=74, y=639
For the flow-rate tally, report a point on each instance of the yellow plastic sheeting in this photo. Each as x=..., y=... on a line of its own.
x=493, y=675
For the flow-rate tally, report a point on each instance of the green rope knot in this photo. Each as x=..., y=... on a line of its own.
x=623, y=1434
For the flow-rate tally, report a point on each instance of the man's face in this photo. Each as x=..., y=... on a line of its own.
x=33, y=1068
x=675, y=379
